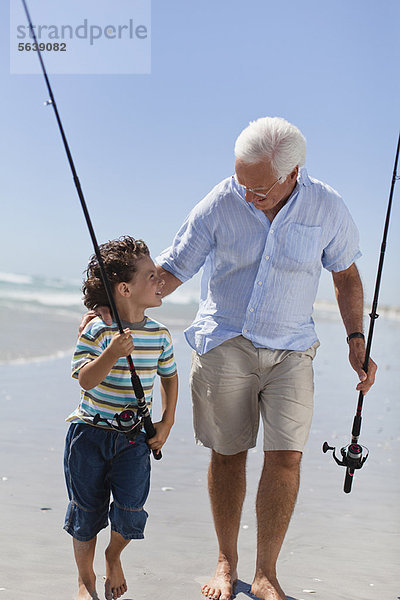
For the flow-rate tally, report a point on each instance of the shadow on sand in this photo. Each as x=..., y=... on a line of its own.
x=242, y=587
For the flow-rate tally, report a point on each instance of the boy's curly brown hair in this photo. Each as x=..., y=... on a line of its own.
x=120, y=263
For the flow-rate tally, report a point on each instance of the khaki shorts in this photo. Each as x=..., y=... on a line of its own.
x=235, y=382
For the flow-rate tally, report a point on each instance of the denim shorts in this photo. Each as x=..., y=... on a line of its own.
x=99, y=462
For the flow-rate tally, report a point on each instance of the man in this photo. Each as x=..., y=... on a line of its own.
x=261, y=237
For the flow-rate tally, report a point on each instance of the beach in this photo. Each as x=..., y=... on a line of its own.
x=338, y=547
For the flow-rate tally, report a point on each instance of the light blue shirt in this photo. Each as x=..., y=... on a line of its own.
x=260, y=279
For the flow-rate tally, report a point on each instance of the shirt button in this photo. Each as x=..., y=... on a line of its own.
x=251, y=309
x=271, y=230
x=245, y=330
x=267, y=258
x=259, y=282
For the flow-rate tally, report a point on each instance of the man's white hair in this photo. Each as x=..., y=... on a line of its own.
x=273, y=139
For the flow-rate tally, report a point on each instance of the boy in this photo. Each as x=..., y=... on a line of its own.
x=99, y=458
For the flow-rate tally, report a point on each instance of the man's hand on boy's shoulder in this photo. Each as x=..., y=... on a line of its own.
x=101, y=311
x=87, y=317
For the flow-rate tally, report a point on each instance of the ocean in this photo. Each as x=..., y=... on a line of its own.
x=39, y=316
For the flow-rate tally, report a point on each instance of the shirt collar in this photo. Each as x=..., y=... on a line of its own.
x=303, y=178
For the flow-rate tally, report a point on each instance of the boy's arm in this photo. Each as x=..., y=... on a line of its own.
x=169, y=396
x=97, y=370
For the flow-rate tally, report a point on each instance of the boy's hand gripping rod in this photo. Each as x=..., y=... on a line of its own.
x=143, y=410
x=353, y=456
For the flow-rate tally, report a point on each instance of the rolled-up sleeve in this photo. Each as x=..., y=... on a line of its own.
x=190, y=247
x=343, y=249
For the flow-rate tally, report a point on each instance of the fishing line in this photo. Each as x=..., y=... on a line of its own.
x=142, y=407
x=354, y=455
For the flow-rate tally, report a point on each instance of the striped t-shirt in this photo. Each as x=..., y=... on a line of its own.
x=153, y=355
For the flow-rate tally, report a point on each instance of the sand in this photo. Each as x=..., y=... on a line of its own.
x=339, y=546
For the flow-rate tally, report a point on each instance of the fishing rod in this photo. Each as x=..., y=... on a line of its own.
x=354, y=455
x=143, y=410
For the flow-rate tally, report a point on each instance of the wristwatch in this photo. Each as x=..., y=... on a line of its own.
x=356, y=334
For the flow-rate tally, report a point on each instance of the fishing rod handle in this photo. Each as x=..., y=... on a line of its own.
x=355, y=432
x=151, y=432
x=144, y=412
x=348, y=480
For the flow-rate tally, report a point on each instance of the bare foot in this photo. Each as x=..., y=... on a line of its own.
x=267, y=589
x=115, y=584
x=221, y=585
x=87, y=589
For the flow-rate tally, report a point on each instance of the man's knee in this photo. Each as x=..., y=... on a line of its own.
x=228, y=461
x=283, y=459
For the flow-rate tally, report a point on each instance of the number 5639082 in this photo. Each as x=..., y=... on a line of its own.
x=48, y=47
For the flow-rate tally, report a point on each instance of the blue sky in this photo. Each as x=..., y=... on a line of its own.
x=148, y=147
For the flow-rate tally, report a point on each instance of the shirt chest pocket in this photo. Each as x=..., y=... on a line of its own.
x=303, y=243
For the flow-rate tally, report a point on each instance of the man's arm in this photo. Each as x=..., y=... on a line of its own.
x=170, y=281
x=350, y=298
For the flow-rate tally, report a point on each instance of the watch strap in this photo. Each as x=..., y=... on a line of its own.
x=355, y=334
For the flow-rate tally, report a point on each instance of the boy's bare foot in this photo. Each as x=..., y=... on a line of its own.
x=115, y=584
x=221, y=585
x=87, y=590
x=267, y=589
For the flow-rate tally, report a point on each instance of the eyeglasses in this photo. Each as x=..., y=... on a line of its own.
x=254, y=190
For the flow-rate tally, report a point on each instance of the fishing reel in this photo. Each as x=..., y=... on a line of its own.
x=353, y=455
x=127, y=423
